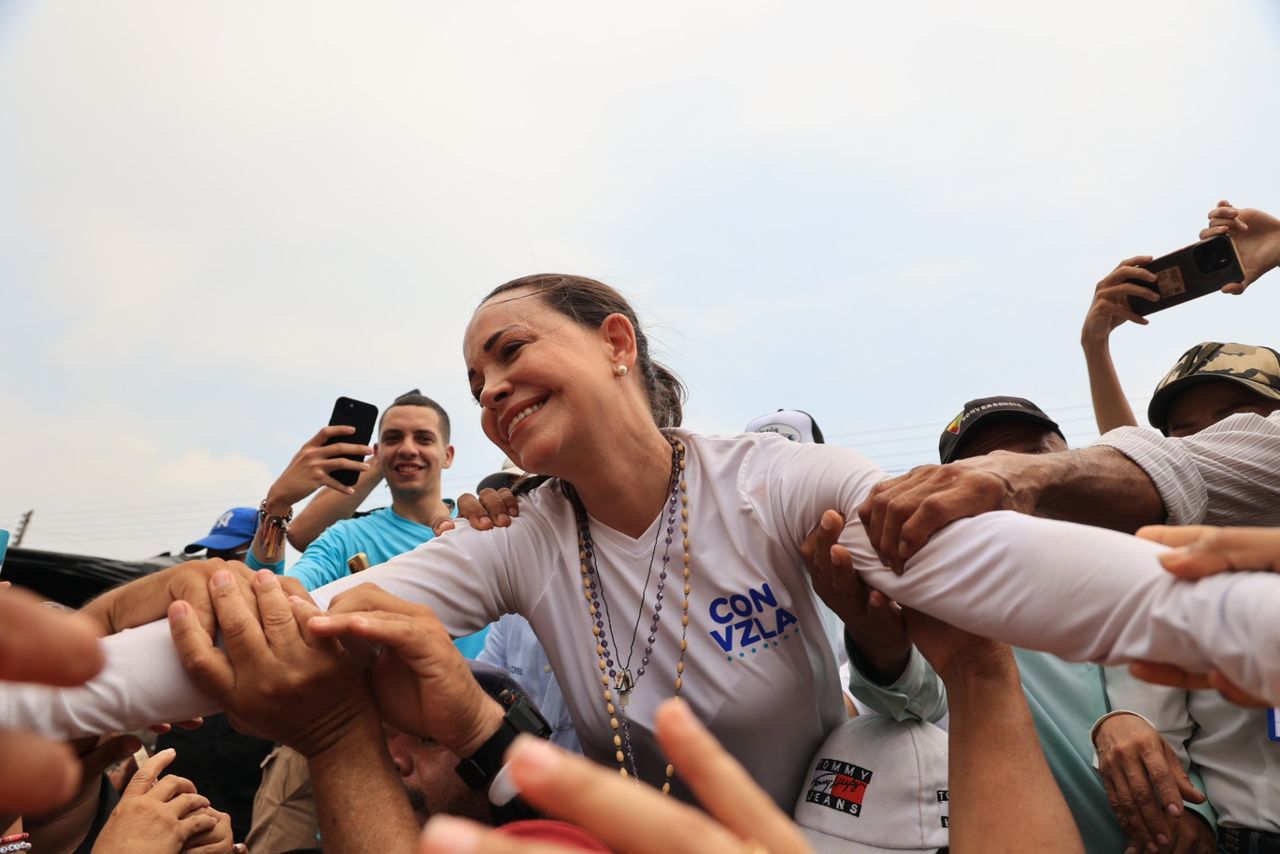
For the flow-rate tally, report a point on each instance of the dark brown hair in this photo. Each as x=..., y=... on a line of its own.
x=417, y=398
x=587, y=303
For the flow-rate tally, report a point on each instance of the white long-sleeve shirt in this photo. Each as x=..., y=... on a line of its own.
x=760, y=668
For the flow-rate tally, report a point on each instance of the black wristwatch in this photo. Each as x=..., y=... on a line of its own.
x=479, y=769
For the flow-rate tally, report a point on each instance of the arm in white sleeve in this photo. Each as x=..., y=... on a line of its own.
x=1223, y=475
x=462, y=576
x=1087, y=594
x=1081, y=593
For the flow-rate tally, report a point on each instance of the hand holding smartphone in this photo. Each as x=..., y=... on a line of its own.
x=360, y=415
x=1188, y=273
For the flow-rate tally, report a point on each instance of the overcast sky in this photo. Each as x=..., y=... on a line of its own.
x=217, y=217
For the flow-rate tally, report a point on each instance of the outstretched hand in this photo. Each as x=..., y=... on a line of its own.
x=1175, y=677
x=872, y=621
x=1200, y=550
x=902, y=513
x=420, y=681
x=1256, y=235
x=147, y=599
x=739, y=815
x=276, y=679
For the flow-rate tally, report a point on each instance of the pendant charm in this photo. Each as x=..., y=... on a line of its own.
x=624, y=683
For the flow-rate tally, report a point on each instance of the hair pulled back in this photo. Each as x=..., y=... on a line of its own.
x=587, y=303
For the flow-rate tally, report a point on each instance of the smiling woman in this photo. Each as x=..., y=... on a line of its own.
x=693, y=543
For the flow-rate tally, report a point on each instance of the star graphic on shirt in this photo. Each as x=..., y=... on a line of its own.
x=742, y=655
x=753, y=650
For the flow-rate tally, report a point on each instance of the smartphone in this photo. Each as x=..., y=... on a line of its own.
x=1191, y=272
x=357, y=414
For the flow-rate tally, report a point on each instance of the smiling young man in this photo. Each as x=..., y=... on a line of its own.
x=412, y=451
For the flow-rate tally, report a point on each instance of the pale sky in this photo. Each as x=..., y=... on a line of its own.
x=216, y=218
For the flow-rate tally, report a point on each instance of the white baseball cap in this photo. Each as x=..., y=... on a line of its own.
x=877, y=786
x=796, y=425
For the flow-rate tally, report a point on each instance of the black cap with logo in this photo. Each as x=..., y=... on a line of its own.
x=987, y=410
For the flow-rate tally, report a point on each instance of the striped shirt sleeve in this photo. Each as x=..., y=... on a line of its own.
x=1227, y=474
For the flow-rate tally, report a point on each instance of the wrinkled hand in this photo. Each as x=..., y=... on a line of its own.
x=275, y=680
x=1257, y=238
x=420, y=681
x=155, y=813
x=147, y=599
x=1200, y=550
x=1145, y=782
x=872, y=621
x=218, y=840
x=634, y=818
x=313, y=467
x=1191, y=835
x=902, y=513
x=39, y=644
x=492, y=508
x=1110, y=306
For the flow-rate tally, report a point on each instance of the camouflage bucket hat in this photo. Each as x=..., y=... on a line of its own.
x=1256, y=368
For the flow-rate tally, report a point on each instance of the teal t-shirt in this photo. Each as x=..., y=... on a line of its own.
x=381, y=535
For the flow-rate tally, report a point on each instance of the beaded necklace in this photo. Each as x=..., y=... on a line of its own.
x=623, y=681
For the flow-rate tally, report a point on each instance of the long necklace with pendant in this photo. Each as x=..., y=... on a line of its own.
x=615, y=676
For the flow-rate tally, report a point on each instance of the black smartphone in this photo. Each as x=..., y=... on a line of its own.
x=1191, y=272
x=360, y=415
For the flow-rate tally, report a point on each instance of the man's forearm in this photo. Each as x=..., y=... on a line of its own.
x=1092, y=486
x=360, y=802
x=997, y=768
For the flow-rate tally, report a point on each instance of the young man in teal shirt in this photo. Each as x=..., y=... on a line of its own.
x=412, y=451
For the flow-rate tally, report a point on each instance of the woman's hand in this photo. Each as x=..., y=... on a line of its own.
x=1200, y=550
x=1257, y=238
x=421, y=683
x=276, y=680
x=739, y=815
x=155, y=814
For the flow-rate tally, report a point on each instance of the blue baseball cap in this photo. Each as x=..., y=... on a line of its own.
x=233, y=529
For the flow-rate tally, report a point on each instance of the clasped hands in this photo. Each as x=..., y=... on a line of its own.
x=295, y=674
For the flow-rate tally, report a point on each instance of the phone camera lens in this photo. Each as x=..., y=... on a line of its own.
x=1211, y=257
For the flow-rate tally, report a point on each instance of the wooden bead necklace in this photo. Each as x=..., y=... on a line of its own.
x=623, y=681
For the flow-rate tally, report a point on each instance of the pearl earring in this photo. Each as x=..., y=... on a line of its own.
x=620, y=371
